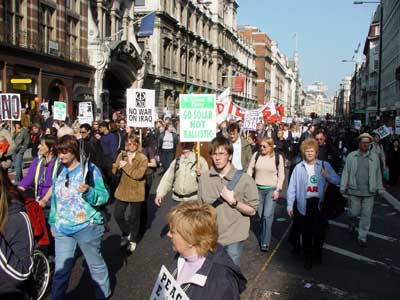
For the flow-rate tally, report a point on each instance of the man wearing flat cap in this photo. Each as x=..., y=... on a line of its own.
x=361, y=181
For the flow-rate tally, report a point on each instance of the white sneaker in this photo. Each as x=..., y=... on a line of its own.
x=131, y=246
x=124, y=240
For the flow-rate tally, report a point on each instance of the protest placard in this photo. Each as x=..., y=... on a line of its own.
x=85, y=113
x=357, y=124
x=166, y=287
x=60, y=110
x=289, y=120
x=383, y=131
x=250, y=120
x=10, y=107
x=140, y=110
x=198, y=117
x=397, y=126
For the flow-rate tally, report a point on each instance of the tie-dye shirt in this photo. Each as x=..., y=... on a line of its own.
x=71, y=211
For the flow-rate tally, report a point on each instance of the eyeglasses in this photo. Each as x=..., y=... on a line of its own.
x=219, y=154
x=66, y=183
x=83, y=132
x=263, y=146
x=320, y=139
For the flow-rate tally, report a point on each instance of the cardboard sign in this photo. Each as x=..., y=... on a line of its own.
x=140, y=109
x=198, y=117
x=250, y=120
x=85, y=113
x=10, y=107
x=397, y=125
x=383, y=131
x=60, y=110
x=166, y=287
x=357, y=124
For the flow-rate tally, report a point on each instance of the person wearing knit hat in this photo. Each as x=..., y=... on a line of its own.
x=361, y=181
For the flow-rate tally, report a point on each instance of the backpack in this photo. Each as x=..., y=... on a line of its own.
x=277, y=155
x=177, y=165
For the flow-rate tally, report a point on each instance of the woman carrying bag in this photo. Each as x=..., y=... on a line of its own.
x=130, y=191
x=307, y=187
x=268, y=169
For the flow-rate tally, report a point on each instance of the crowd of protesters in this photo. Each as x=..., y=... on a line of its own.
x=78, y=169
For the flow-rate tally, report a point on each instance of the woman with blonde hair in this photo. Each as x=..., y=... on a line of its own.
x=268, y=170
x=132, y=165
x=202, y=267
x=16, y=242
x=307, y=187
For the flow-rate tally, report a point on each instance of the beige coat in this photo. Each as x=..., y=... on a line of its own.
x=131, y=187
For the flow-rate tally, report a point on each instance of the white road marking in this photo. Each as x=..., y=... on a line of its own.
x=359, y=257
x=392, y=200
x=392, y=213
x=374, y=234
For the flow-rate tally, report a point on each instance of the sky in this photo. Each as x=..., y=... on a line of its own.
x=328, y=32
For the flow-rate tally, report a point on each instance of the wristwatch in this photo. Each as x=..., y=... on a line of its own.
x=234, y=204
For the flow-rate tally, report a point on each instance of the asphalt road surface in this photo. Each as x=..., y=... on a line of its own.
x=347, y=271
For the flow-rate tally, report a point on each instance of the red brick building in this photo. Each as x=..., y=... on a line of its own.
x=262, y=46
x=45, y=42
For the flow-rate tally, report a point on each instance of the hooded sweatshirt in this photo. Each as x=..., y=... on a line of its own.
x=16, y=248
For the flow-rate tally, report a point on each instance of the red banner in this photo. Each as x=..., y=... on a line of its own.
x=238, y=85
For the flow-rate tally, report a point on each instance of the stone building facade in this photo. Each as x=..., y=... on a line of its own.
x=195, y=48
x=45, y=43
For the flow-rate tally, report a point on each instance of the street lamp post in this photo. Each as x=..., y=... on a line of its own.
x=378, y=104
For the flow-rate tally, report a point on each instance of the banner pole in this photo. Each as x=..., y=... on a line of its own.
x=198, y=152
x=140, y=138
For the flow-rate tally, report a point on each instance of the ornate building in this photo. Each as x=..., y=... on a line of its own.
x=114, y=53
x=43, y=45
x=195, y=47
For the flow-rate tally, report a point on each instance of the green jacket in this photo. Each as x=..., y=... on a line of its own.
x=184, y=182
x=349, y=180
x=247, y=154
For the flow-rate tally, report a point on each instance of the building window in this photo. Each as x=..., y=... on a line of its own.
x=376, y=64
x=71, y=44
x=140, y=2
x=46, y=27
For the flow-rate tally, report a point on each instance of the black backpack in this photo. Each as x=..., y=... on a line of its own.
x=277, y=155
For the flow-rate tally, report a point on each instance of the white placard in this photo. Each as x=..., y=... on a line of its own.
x=166, y=287
x=10, y=107
x=397, y=125
x=197, y=117
x=357, y=124
x=140, y=109
x=59, y=110
x=85, y=113
x=250, y=120
x=383, y=131
x=289, y=120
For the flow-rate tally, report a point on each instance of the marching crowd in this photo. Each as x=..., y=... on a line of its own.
x=79, y=169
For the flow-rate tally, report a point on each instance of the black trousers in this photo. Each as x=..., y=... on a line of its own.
x=132, y=226
x=312, y=228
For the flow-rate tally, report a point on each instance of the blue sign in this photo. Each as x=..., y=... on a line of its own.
x=147, y=25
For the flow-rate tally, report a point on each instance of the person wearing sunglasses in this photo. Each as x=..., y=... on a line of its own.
x=130, y=191
x=91, y=146
x=76, y=219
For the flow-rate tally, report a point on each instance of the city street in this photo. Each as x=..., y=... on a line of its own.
x=347, y=272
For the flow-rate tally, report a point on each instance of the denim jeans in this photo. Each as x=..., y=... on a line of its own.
x=89, y=241
x=18, y=161
x=235, y=251
x=363, y=207
x=266, y=211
